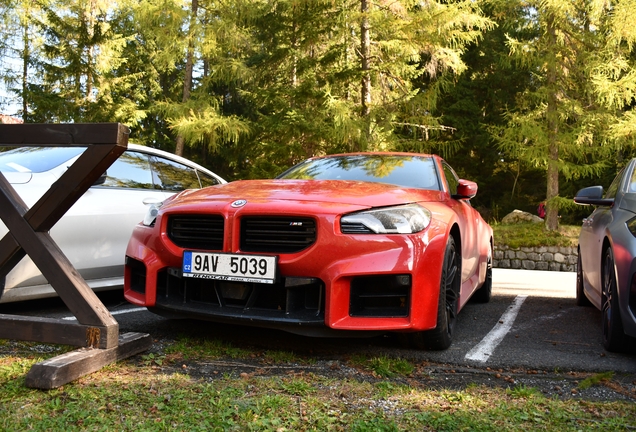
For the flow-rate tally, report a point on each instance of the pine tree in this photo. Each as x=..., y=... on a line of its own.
x=558, y=123
x=20, y=50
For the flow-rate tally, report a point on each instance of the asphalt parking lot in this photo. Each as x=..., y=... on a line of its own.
x=532, y=322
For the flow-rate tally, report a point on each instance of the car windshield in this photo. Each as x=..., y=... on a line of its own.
x=407, y=171
x=36, y=159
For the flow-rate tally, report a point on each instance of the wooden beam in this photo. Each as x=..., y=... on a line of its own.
x=56, y=331
x=67, y=367
x=60, y=197
x=52, y=262
x=28, y=234
x=62, y=135
x=77, y=179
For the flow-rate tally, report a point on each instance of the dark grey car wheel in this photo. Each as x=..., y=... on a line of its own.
x=441, y=337
x=614, y=338
x=581, y=298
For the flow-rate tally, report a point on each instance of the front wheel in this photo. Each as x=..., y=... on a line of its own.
x=581, y=298
x=484, y=292
x=614, y=338
x=441, y=337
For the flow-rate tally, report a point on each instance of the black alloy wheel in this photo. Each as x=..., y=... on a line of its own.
x=441, y=337
x=484, y=292
x=613, y=336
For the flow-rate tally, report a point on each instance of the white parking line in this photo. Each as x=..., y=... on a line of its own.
x=484, y=349
x=125, y=311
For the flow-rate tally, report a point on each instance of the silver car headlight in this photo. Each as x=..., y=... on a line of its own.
x=152, y=209
x=405, y=219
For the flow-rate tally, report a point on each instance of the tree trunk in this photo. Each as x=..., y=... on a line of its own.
x=187, y=80
x=365, y=54
x=89, y=16
x=552, y=212
x=25, y=69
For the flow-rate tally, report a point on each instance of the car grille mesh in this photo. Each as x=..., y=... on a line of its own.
x=354, y=228
x=196, y=231
x=277, y=234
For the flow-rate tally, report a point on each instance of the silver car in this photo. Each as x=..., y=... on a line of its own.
x=94, y=233
x=606, y=271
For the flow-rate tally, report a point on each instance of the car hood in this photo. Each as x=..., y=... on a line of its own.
x=348, y=193
x=18, y=177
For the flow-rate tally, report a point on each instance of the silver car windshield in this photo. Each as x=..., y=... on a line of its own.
x=407, y=171
x=36, y=159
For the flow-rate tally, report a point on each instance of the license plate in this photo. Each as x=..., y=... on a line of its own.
x=230, y=267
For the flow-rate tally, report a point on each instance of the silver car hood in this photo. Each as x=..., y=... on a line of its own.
x=18, y=177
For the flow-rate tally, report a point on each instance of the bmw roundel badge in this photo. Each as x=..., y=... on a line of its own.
x=239, y=203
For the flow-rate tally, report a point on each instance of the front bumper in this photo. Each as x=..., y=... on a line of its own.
x=342, y=282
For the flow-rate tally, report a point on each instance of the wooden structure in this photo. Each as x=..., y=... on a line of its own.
x=96, y=330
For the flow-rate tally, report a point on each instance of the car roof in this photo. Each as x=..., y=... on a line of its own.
x=174, y=157
x=406, y=154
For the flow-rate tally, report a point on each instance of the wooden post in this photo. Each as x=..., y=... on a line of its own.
x=28, y=235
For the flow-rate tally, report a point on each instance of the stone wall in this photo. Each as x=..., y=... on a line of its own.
x=536, y=258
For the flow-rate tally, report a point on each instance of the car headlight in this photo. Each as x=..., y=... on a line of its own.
x=152, y=209
x=406, y=219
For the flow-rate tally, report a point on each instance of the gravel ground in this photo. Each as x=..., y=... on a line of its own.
x=429, y=375
x=563, y=385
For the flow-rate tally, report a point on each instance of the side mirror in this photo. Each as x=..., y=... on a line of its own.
x=101, y=180
x=466, y=189
x=592, y=195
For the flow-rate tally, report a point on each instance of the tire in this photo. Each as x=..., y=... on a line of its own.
x=484, y=292
x=614, y=338
x=581, y=298
x=441, y=337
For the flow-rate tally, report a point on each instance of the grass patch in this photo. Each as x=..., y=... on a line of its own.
x=130, y=396
x=596, y=379
x=534, y=235
x=523, y=392
x=196, y=348
x=281, y=357
x=384, y=366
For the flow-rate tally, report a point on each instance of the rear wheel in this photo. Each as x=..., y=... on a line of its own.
x=614, y=338
x=441, y=336
x=484, y=292
x=581, y=298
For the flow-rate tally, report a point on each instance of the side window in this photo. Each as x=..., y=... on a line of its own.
x=173, y=176
x=632, y=182
x=451, y=179
x=613, y=188
x=207, y=180
x=131, y=170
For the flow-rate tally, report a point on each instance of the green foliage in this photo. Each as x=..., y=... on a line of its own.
x=534, y=235
x=192, y=348
x=562, y=121
x=523, y=392
x=385, y=366
x=596, y=379
x=297, y=387
x=125, y=396
x=277, y=82
x=153, y=359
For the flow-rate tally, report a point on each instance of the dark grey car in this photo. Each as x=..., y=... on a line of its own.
x=606, y=271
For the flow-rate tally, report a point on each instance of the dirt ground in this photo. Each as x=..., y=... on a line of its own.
x=563, y=385
x=427, y=375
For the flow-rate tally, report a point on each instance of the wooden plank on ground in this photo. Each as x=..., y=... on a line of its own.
x=57, y=331
x=70, y=366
